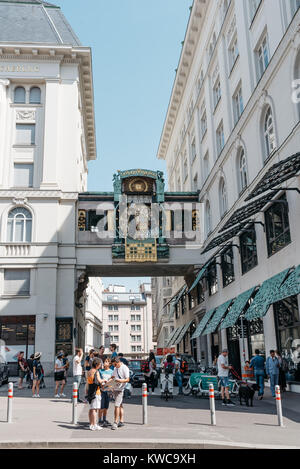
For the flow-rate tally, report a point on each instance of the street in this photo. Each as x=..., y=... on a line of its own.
x=183, y=422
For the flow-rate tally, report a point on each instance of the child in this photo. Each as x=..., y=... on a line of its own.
x=105, y=374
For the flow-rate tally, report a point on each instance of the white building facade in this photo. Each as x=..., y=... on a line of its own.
x=127, y=317
x=47, y=139
x=234, y=113
x=93, y=314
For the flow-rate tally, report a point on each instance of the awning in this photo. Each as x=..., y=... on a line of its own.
x=172, y=335
x=203, y=323
x=199, y=276
x=217, y=318
x=265, y=296
x=220, y=240
x=277, y=174
x=174, y=301
x=182, y=333
x=178, y=332
x=237, y=308
x=290, y=287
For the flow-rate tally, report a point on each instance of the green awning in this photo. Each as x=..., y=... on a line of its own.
x=217, y=318
x=203, y=323
x=172, y=335
x=237, y=308
x=175, y=300
x=265, y=296
x=290, y=287
x=182, y=333
x=199, y=276
x=174, y=339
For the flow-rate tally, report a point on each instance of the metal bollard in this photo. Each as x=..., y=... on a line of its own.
x=212, y=404
x=10, y=402
x=279, y=406
x=145, y=404
x=74, y=404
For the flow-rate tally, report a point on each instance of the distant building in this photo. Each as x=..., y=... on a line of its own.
x=93, y=314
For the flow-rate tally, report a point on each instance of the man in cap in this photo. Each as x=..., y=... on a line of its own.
x=223, y=372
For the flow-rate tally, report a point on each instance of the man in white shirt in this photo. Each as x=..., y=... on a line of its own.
x=223, y=372
x=77, y=368
x=120, y=375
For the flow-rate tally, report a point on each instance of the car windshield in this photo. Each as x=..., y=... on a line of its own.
x=135, y=365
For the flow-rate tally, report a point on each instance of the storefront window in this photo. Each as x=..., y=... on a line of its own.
x=18, y=335
x=256, y=337
x=287, y=322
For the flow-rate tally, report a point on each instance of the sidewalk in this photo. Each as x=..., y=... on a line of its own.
x=183, y=422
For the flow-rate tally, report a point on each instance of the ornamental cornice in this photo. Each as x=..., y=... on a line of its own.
x=25, y=195
x=31, y=57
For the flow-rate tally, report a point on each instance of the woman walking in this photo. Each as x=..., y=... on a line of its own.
x=22, y=368
x=150, y=376
x=59, y=375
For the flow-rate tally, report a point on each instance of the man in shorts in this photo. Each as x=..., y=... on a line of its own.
x=223, y=372
x=120, y=375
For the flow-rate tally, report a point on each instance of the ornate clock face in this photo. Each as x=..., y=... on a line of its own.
x=138, y=185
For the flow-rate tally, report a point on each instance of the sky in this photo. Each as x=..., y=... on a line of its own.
x=136, y=47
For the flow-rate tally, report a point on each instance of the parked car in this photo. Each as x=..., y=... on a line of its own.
x=137, y=378
x=4, y=372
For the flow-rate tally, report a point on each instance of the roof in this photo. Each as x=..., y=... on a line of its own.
x=34, y=21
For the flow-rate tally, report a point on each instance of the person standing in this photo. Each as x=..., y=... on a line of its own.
x=283, y=368
x=123, y=359
x=59, y=375
x=223, y=374
x=113, y=349
x=258, y=365
x=87, y=366
x=121, y=376
x=22, y=367
x=150, y=375
x=66, y=364
x=272, y=370
x=178, y=374
x=30, y=371
x=94, y=394
x=37, y=374
x=77, y=369
x=105, y=374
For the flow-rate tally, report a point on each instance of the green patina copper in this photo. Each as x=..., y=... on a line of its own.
x=182, y=332
x=217, y=318
x=203, y=323
x=265, y=296
x=290, y=287
x=237, y=308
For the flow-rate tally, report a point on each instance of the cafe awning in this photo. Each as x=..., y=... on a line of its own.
x=202, y=323
x=217, y=318
x=182, y=333
x=237, y=308
x=266, y=296
x=172, y=335
x=290, y=287
x=199, y=277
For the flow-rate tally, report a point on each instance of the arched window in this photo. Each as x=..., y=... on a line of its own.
x=269, y=133
x=19, y=226
x=223, y=197
x=242, y=170
x=297, y=77
x=208, y=224
x=35, y=95
x=19, y=95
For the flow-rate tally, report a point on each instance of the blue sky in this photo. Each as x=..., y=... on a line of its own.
x=136, y=46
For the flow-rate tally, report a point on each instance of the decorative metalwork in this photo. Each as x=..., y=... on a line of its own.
x=81, y=220
x=265, y=296
x=217, y=318
x=290, y=287
x=256, y=327
x=64, y=330
x=248, y=211
x=199, y=277
x=286, y=312
x=277, y=174
x=174, y=338
x=172, y=335
x=203, y=323
x=237, y=308
x=182, y=333
x=140, y=251
x=225, y=237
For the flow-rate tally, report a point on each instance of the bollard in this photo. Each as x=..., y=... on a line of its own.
x=10, y=402
x=74, y=404
x=278, y=406
x=144, y=400
x=212, y=404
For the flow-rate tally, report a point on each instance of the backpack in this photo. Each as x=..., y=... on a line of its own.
x=169, y=368
x=145, y=367
x=184, y=368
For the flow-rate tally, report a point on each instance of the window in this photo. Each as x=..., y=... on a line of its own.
x=116, y=328
x=220, y=139
x=116, y=308
x=212, y=279
x=217, y=93
x=242, y=171
x=110, y=318
x=248, y=249
x=133, y=328
x=254, y=4
x=25, y=134
x=277, y=226
x=223, y=197
x=110, y=328
x=238, y=105
x=133, y=348
x=23, y=175
x=269, y=133
x=138, y=348
x=227, y=266
x=116, y=318
x=17, y=282
x=19, y=95
x=208, y=226
x=233, y=52
x=262, y=55
x=138, y=317
x=132, y=317
x=19, y=226
x=35, y=95
x=18, y=333
x=138, y=327
x=115, y=338
x=295, y=5
x=110, y=308
x=203, y=125
x=206, y=166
